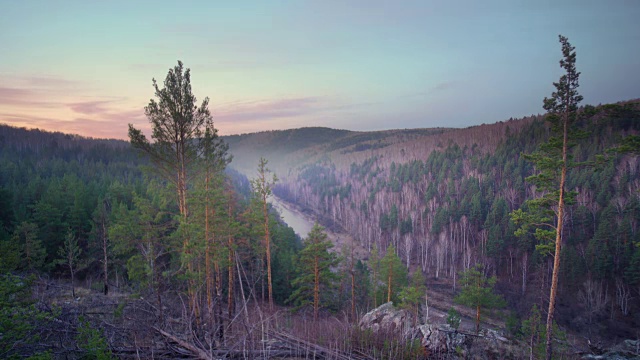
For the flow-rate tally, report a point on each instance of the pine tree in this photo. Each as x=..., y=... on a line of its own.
x=184, y=135
x=477, y=292
x=374, y=269
x=262, y=190
x=70, y=256
x=411, y=296
x=393, y=274
x=532, y=331
x=177, y=124
x=32, y=251
x=315, y=278
x=552, y=161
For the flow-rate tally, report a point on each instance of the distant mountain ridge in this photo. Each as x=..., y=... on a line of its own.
x=295, y=147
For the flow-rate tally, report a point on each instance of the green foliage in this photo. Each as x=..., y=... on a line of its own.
x=406, y=226
x=284, y=260
x=364, y=286
x=374, y=269
x=512, y=323
x=70, y=251
x=393, y=275
x=632, y=273
x=315, y=281
x=92, y=342
x=453, y=318
x=20, y=320
x=70, y=256
x=553, y=157
x=477, y=292
x=389, y=222
x=32, y=252
x=553, y=160
x=500, y=228
x=144, y=236
x=323, y=181
x=534, y=332
x=178, y=127
x=10, y=250
x=412, y=296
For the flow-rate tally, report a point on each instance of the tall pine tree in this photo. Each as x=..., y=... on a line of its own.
x=552, y=160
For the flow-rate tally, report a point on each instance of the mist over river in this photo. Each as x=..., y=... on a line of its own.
x=302, y=224
x=299, y=222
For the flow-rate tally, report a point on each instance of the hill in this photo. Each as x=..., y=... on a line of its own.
x=442, y=198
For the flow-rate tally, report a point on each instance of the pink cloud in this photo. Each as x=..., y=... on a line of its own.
x=23, y=97
x=48, y=81
x=90, y=107
x=268, y=109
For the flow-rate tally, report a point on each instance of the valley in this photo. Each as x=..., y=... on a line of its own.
x=327, y=180
x=302, y=222
x=443, y=198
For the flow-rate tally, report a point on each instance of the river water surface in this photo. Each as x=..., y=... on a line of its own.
x=299, y=222
x=302, y=224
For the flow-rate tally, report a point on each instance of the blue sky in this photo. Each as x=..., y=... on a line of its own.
x=86, y=66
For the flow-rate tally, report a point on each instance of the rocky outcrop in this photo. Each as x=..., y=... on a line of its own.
x=628, y=349
x=441, y=339
x=388, y=319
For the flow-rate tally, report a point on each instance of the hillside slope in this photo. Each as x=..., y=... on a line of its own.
x=442, y=197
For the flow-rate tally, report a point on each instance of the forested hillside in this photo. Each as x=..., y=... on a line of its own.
x=443, y=199
x=428, y=205
x=80, y=214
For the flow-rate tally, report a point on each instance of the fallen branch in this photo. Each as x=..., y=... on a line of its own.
x=201, y=354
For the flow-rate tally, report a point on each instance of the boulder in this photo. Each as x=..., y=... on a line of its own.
x=628, y=349
x=436, y=339
x=440, y=340
x=387, y=318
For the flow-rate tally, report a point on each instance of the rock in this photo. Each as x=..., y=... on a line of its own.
x=387, y=318
x=628, y=349
x=441, y=340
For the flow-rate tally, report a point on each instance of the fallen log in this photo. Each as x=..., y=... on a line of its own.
x=200, y=353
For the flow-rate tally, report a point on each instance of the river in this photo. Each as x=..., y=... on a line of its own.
x=302, y=224
x=299, y=222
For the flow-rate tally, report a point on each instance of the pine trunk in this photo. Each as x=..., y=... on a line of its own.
x=267, y=241
x=207, y=256
x=316, y=289
x=231, y=293
x=353, y=287
x=556, y=256
x=389, y=282
x=105, y=267
x=218, y=288
x=73, y=287
x=477, y=319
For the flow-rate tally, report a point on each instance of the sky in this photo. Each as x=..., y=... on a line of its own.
x=86, y=67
